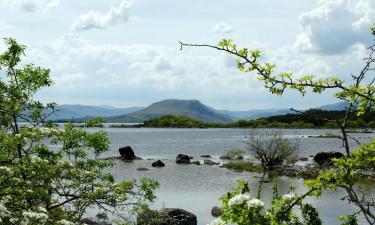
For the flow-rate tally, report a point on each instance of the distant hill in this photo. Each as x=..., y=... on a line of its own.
x=255, y=113
x=334, y=107
x=67, y=112
x=193, y=109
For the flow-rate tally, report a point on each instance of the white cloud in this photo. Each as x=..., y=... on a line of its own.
x=31, y=5
x=335, y=25
x=222, y=28
x=94, y=19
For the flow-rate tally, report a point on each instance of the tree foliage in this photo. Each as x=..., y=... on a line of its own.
x=358, y=94
x=50, y=175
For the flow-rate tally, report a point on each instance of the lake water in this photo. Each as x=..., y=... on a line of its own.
x=197, y=188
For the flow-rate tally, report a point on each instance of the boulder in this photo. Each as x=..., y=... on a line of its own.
x=167, y=216
x=325, y=158
x=99, y=219
x=210, y=162
x=215, y=211
x=184, y=159
x=127, y=153
x=158, y=163
x=196, y=163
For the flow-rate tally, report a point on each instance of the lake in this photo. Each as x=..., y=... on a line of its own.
x=197, y=188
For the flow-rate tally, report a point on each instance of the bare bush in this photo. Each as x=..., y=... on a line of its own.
x=271, y=148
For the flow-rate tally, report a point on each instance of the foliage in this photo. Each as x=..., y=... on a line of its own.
x=360, y=97
x=239, y=208
x=97, y=122
x=234, y=153
x=271, y=148
x=51, y=175
x=174, y=121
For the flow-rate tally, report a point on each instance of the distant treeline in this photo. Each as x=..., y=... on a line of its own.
x=309, y=119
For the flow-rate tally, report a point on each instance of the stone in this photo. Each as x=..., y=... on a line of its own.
x=196, y=163
x=158, y=163
x=183, y=159
x=215, y=211
x=99, y=219
x=325, y=158
x=210, y=162
x=168, y=216
x=205, y=156
x=142, y=169
x=127, y=153
x=304, y=159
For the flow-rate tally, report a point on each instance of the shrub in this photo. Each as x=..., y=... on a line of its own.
x=271, y=148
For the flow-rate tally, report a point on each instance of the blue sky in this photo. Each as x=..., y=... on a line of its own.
x=126, y=53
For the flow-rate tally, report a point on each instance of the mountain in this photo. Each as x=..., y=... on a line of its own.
x=193, y=109
x=335, y=107
x=255, y=113
x=67, y=112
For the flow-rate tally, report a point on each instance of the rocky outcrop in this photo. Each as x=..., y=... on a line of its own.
x=215, y=211
x=196, y=162
x=158, y=163
x=210, y=162
x=99, y=219
x=169, y=216
x=183, y=159
x=325, y=158
x=127, y=153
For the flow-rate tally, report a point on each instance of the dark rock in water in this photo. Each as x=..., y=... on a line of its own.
x=191, y=157
x=215, y=211
x=196, y=163
x=304, y=159
x=142, y=169
x=180, y=217
x=167, y=217
x=235, y=157
x=100, y=219
x=138, y=158
x=127, y=153
x=205, y=156
x=210, y=163
x=181, y=158
x=158, y=163
x=325, y=158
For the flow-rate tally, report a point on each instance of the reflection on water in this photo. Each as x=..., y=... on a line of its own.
x=197, y=188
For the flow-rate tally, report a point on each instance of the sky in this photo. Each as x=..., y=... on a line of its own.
x=126, y=53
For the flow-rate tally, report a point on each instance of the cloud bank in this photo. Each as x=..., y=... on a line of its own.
x=95, y=19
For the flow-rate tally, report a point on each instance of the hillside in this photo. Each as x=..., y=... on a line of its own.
x=67, y=112
x=193, y=109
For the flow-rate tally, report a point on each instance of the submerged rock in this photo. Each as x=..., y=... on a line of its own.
x=205, y=156
x=127, y=153
x=325, y=158
x=210, y=162
x=142, y=169
x=196, y=163
x=158, y=163
x=304, y=159
x=184, y=159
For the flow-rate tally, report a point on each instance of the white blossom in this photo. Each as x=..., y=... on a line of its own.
x=35, y=216
x=255, y=203
x=289, y=196
x=35, y=159
x=5, y=169
x=238, y=199
x=217, y=221
x=64, y=222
